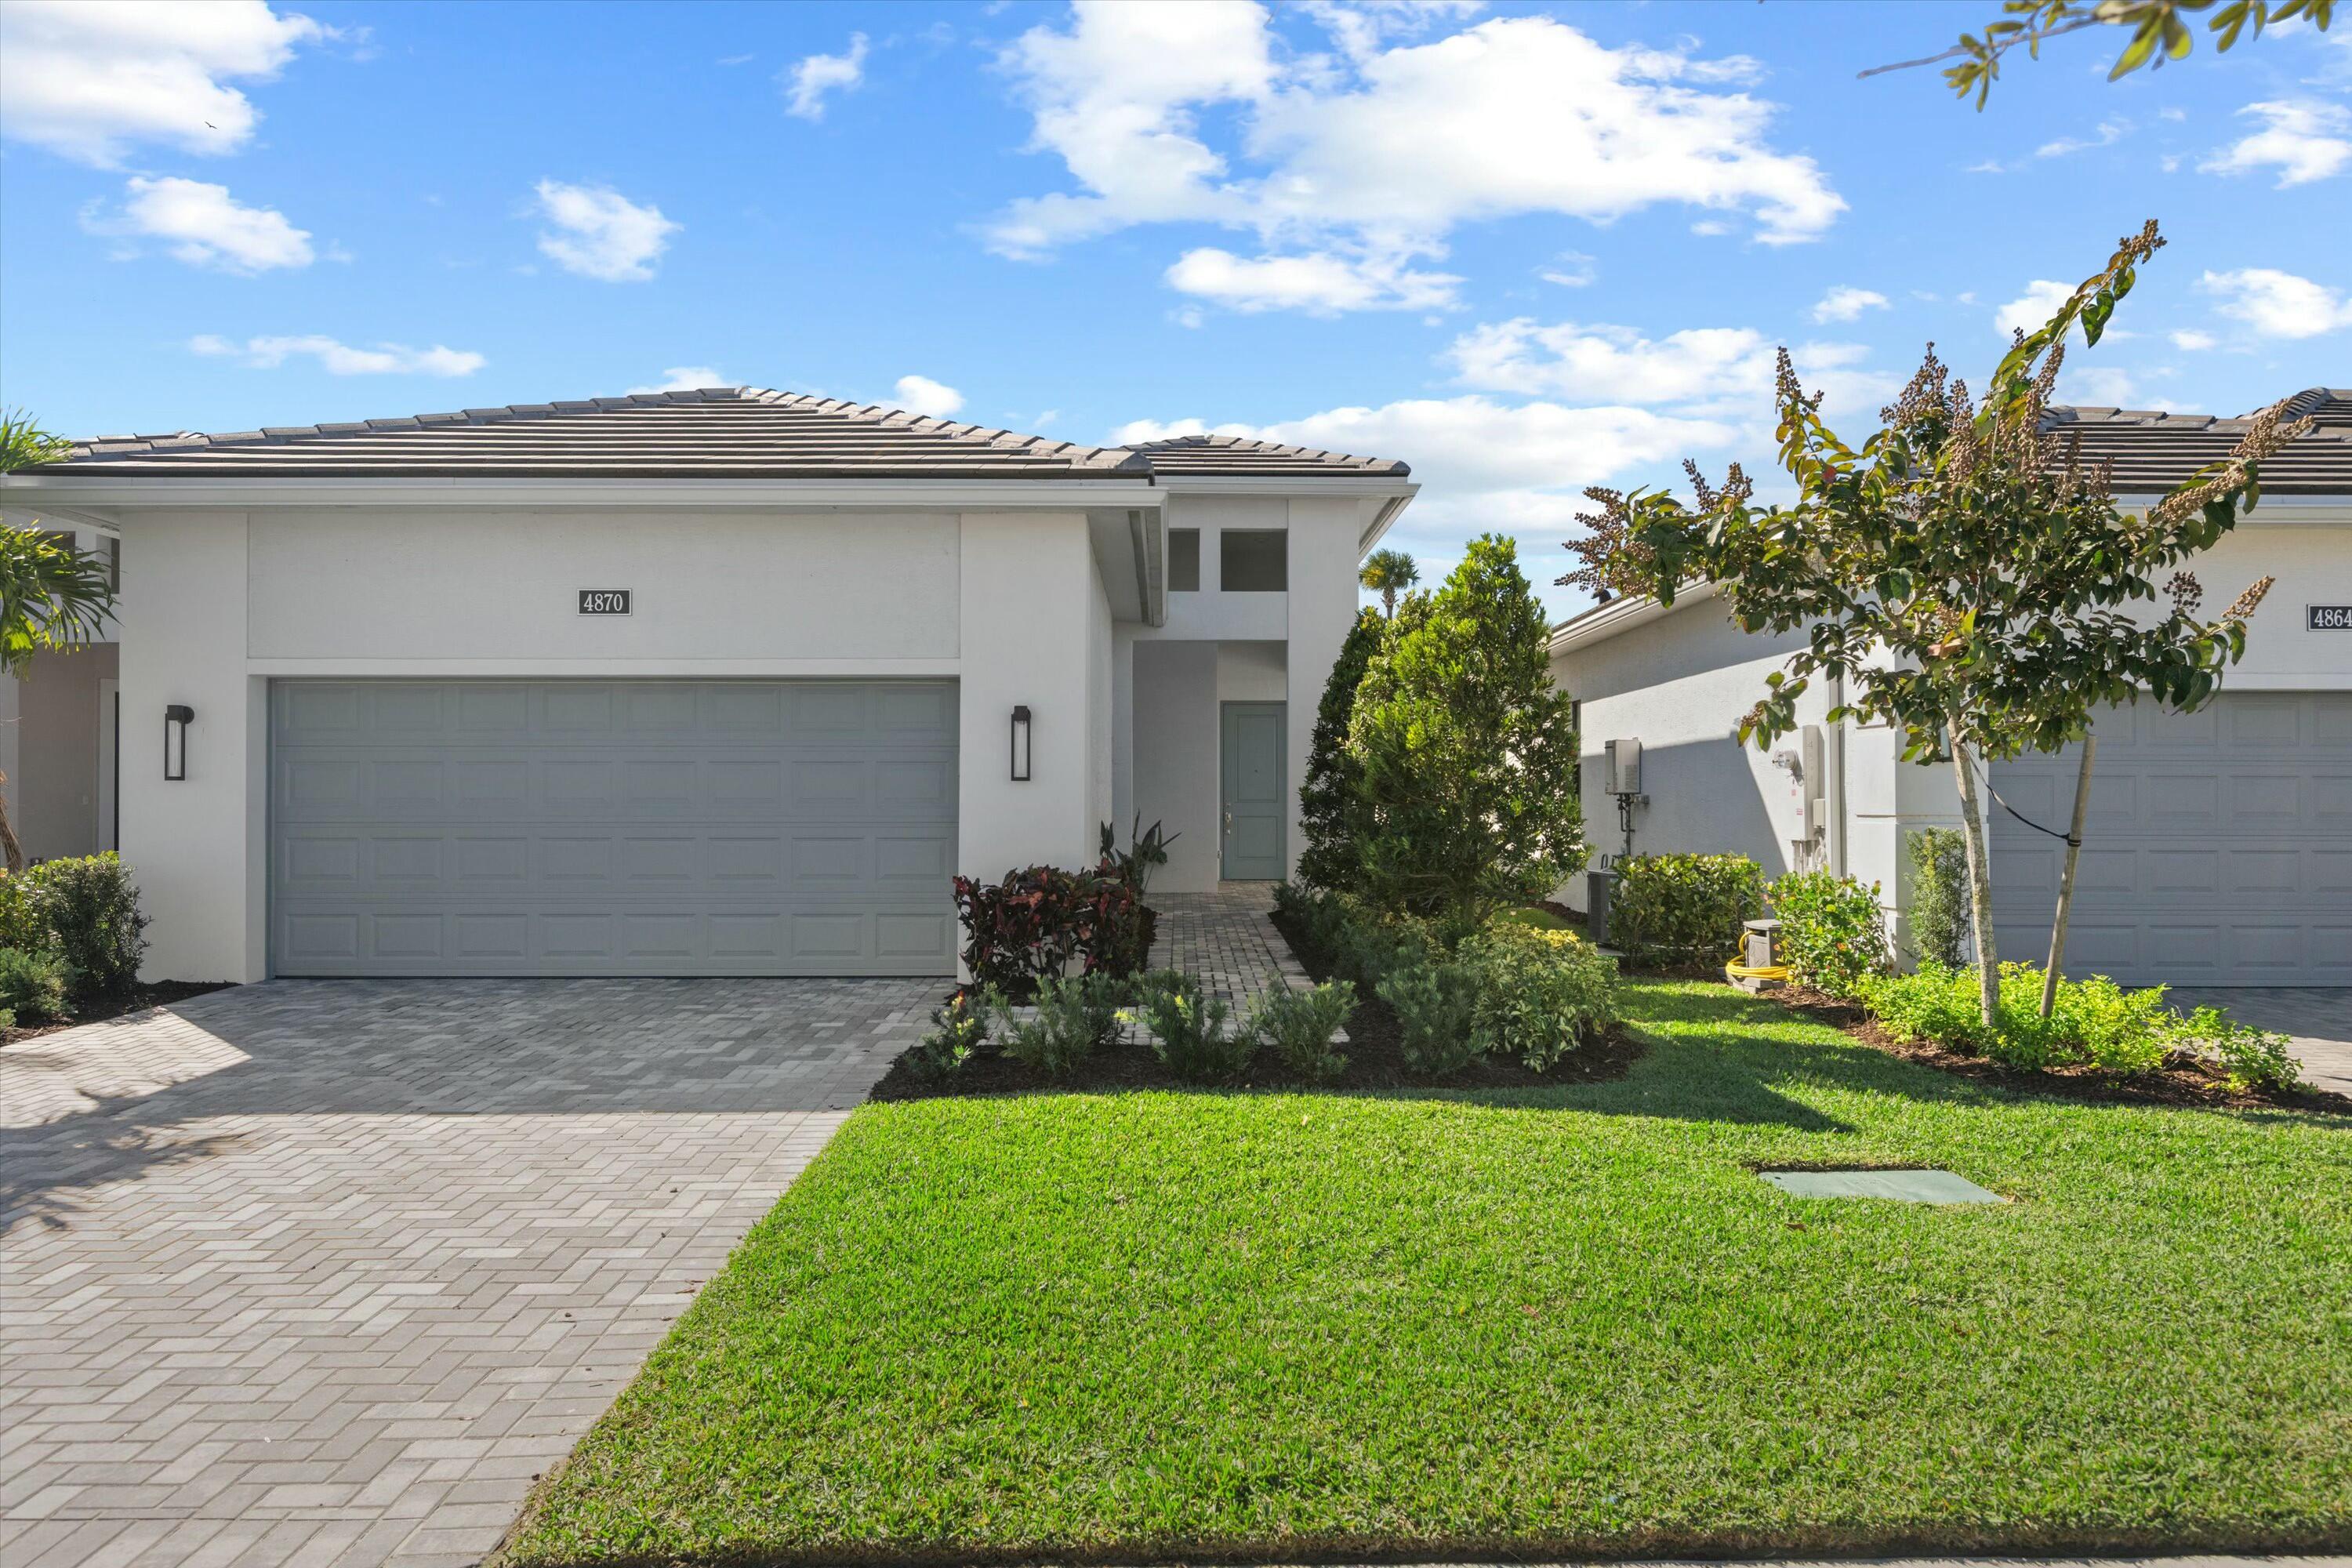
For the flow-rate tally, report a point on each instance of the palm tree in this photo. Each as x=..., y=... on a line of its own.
x=1389, y=572
x=51, y=596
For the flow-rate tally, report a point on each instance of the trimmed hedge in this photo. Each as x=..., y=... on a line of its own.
x=1681, y=909
x=1832, y=933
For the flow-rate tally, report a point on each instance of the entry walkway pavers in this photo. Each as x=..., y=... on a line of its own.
x=326, y=1272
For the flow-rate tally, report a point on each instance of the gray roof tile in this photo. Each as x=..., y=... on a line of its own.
x=734, y=432
x=2150, y=451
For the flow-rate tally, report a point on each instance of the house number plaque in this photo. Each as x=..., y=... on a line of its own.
x=603, y=601
x=2327, y=617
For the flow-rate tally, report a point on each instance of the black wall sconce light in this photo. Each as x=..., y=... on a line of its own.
x=1020, y=744
x=176, y=717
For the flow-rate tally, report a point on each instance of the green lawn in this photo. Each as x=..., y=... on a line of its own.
x=1566, y=1318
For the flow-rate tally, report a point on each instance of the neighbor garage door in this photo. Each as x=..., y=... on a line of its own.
x=611, y=828
x=2218, y=851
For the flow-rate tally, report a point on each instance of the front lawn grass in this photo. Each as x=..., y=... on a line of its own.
x=1559, y=1320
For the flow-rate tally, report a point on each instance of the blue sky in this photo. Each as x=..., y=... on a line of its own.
x=1526, y=248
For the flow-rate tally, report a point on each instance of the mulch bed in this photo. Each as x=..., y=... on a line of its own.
x=2183, y=1079
x=1375, y=1053
x=97, y=1009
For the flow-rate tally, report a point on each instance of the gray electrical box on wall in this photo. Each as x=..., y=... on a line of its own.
x=1622, y=767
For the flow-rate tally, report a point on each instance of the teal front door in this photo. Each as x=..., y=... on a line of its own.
x=1256, y=803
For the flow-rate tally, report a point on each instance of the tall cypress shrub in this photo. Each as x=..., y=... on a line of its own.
x=1464, y=754
x=1329, y=858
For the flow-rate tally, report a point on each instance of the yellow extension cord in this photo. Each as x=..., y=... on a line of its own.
x=1759, y=972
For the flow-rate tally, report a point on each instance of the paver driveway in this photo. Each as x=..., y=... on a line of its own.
x=2317, y=1018
x=327, y=1271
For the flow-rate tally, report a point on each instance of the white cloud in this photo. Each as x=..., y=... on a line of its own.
x=1720, y=371
x=2033, y=310
x=93, y=81
x=341, y=359
x=599, y=233
x=2278, y=304
x=1846, y=303
x=806, y=83
x=2193, y=341
x=684, y=378
x=1321, y=283
x=2108, y=386
x=1572, y=269
x=2303, y=139
x=921, y=395
x=1374, y=160
x=2110, y=132
x=204, y=225
x=2175, y=115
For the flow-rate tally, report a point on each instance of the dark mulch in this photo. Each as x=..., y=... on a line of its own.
x=2183, y=1079
x=97, y=1009
x=1375, y=1053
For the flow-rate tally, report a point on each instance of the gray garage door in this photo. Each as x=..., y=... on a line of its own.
x=612, y=827
x=2218, y=851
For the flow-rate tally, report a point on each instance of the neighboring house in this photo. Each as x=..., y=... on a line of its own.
x=715, y=682
x=58, y=728
x=2219, y=844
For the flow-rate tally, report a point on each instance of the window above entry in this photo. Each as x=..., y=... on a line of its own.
x=1253, y=561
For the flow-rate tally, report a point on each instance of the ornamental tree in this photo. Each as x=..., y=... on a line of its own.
x=1463, y=756
x=2159, y=32
x=1962, y=571
x=1329, y=859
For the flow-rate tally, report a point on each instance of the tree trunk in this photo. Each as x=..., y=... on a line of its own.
x=1972, y=829
x=2067, y=879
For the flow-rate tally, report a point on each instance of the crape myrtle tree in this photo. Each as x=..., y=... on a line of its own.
x=52, y=596
x=1969, y=578
x=1464, y=757
x=2159, y=32
x=1328, y=856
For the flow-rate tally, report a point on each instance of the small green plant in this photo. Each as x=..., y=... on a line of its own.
x=958, y=1030
x=17, y=928
x=1677, y=908
x=1436, y=1006
x=1540, y=994
x=1070, y=1020
x=2095, y=1021
x=1832, y=931
x=1938, y=910
x=2252, y=1057
x=1189, y=1032
x=86, y=911
x=1299, y=1024
x=33, y=986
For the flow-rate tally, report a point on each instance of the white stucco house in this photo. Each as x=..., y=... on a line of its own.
x=717, y=682
x=2217, y=848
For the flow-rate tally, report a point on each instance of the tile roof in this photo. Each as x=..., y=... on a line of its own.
x=715, y=433
x=2152, y=451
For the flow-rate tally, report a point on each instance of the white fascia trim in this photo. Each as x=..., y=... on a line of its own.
x=1287, y=485
x=1605, y=621
x=959, y=495
x=1383, y=521
x=548, y=668
x=20, y=515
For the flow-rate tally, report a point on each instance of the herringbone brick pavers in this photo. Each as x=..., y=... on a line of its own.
x=329, y=1271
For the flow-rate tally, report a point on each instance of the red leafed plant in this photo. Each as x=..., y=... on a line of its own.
x=1029, y=927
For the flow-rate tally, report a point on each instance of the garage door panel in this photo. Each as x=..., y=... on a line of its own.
x=2219, y=845
x=613, y=827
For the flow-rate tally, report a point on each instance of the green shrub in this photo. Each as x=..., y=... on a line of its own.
x=1371, y=947
x=2252, y=1057
x=1319, y=918
x=33, y=986
x=1330, y=856
x=85, y=911
x=1436, y=1007
x=7, y=1018
x=1832, y=931
x=1299, y=1024
x=1071, y=1018
x=1189, y=1032
x=957, y=1031
x=2093, y=1020
x=1938, y=912
x=1539, y=994
x=1675, y=909
x=17, y=928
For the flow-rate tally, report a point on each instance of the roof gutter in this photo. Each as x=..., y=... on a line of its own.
x=1603, y=622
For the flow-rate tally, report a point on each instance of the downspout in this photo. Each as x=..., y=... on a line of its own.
x=1837, y=780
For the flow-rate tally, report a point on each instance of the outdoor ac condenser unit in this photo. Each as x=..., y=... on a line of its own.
x=1622, y=767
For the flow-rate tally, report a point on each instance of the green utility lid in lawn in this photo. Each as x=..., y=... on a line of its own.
x=1909, y=1186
